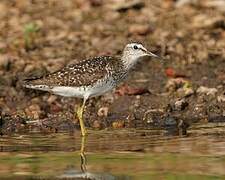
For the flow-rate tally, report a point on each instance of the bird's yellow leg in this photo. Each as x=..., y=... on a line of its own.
x=82, y=154
x=80, y=111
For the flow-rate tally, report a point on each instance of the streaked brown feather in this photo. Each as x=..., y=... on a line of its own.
x=85, y=73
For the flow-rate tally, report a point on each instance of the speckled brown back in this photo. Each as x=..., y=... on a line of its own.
x=85, y=73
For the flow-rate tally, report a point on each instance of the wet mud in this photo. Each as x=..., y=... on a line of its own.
x=187, y=87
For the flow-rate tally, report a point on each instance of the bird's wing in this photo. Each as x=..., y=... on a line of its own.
x=85, y=73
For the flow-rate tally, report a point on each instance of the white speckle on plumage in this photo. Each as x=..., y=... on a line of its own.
x=91, y=77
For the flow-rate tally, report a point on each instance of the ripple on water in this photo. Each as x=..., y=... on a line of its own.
x=120, y=154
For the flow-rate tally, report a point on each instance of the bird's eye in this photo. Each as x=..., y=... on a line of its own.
x=135, y=47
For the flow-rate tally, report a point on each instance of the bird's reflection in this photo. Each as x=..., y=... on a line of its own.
x=83, y=159
x=83, y=172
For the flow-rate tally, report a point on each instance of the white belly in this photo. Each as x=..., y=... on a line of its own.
x=99, y=88
x=81, y=92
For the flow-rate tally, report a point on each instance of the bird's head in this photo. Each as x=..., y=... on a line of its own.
x=134, y=52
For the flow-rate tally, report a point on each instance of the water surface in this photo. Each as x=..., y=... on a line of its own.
x=120, y=154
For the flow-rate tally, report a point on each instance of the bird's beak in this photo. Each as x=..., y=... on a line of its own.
x=152, y=55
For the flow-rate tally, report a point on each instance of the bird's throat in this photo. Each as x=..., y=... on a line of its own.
x=129, y=61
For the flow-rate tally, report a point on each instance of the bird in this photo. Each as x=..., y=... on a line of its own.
x=90, y=77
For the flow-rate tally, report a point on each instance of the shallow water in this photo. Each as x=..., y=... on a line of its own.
x=120, y=154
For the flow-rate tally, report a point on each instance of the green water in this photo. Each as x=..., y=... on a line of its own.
x=121, y=154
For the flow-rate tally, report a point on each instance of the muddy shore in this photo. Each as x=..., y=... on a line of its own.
x=40, y=37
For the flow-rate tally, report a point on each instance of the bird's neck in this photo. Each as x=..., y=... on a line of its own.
x=129, y=61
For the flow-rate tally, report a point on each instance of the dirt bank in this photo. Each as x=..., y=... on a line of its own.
x=38, y=37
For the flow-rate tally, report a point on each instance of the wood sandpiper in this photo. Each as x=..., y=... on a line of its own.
x=91, y=77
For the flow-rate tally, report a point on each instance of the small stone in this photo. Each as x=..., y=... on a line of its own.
x=170, y=72
x=29, y=68
x=152, y=116
x=108, y=97
x=33, y=111
x=139, y=29
x=185, y=92
x=182, y=86
x=180, y=105
x=207, y=91
x=19, y=65
x=95, y=3
x=118, y=124
x=221, y=98
x=5, y=62
x=127, y=90
x=170, y=121
x=217, y=4
x=112, y=16
x=188, y=91
x=96, y=124
x=181, y=3
x=123, y=6
x=182, y=127
x=215, y=112
x=175, y=83
x=103, y=112
x=206, y=21
x=167, y=4
x=51, y=99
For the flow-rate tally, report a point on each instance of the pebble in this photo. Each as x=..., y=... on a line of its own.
x=207, y=91
x=185, y=92
x=103, y=112
x=170, y=121
x=5, y=62
x=180, y=85
x=139, y=29
x=152, y=116
x=175, y=83
x=118, y=124
x=95, y=3
x=51, y=99
x=180, y=105
x=206, y=21
x=123, y=6
x=29, y=68
x=33, y=111
x=96, y=124
x=221, y=98
x=182, y=127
